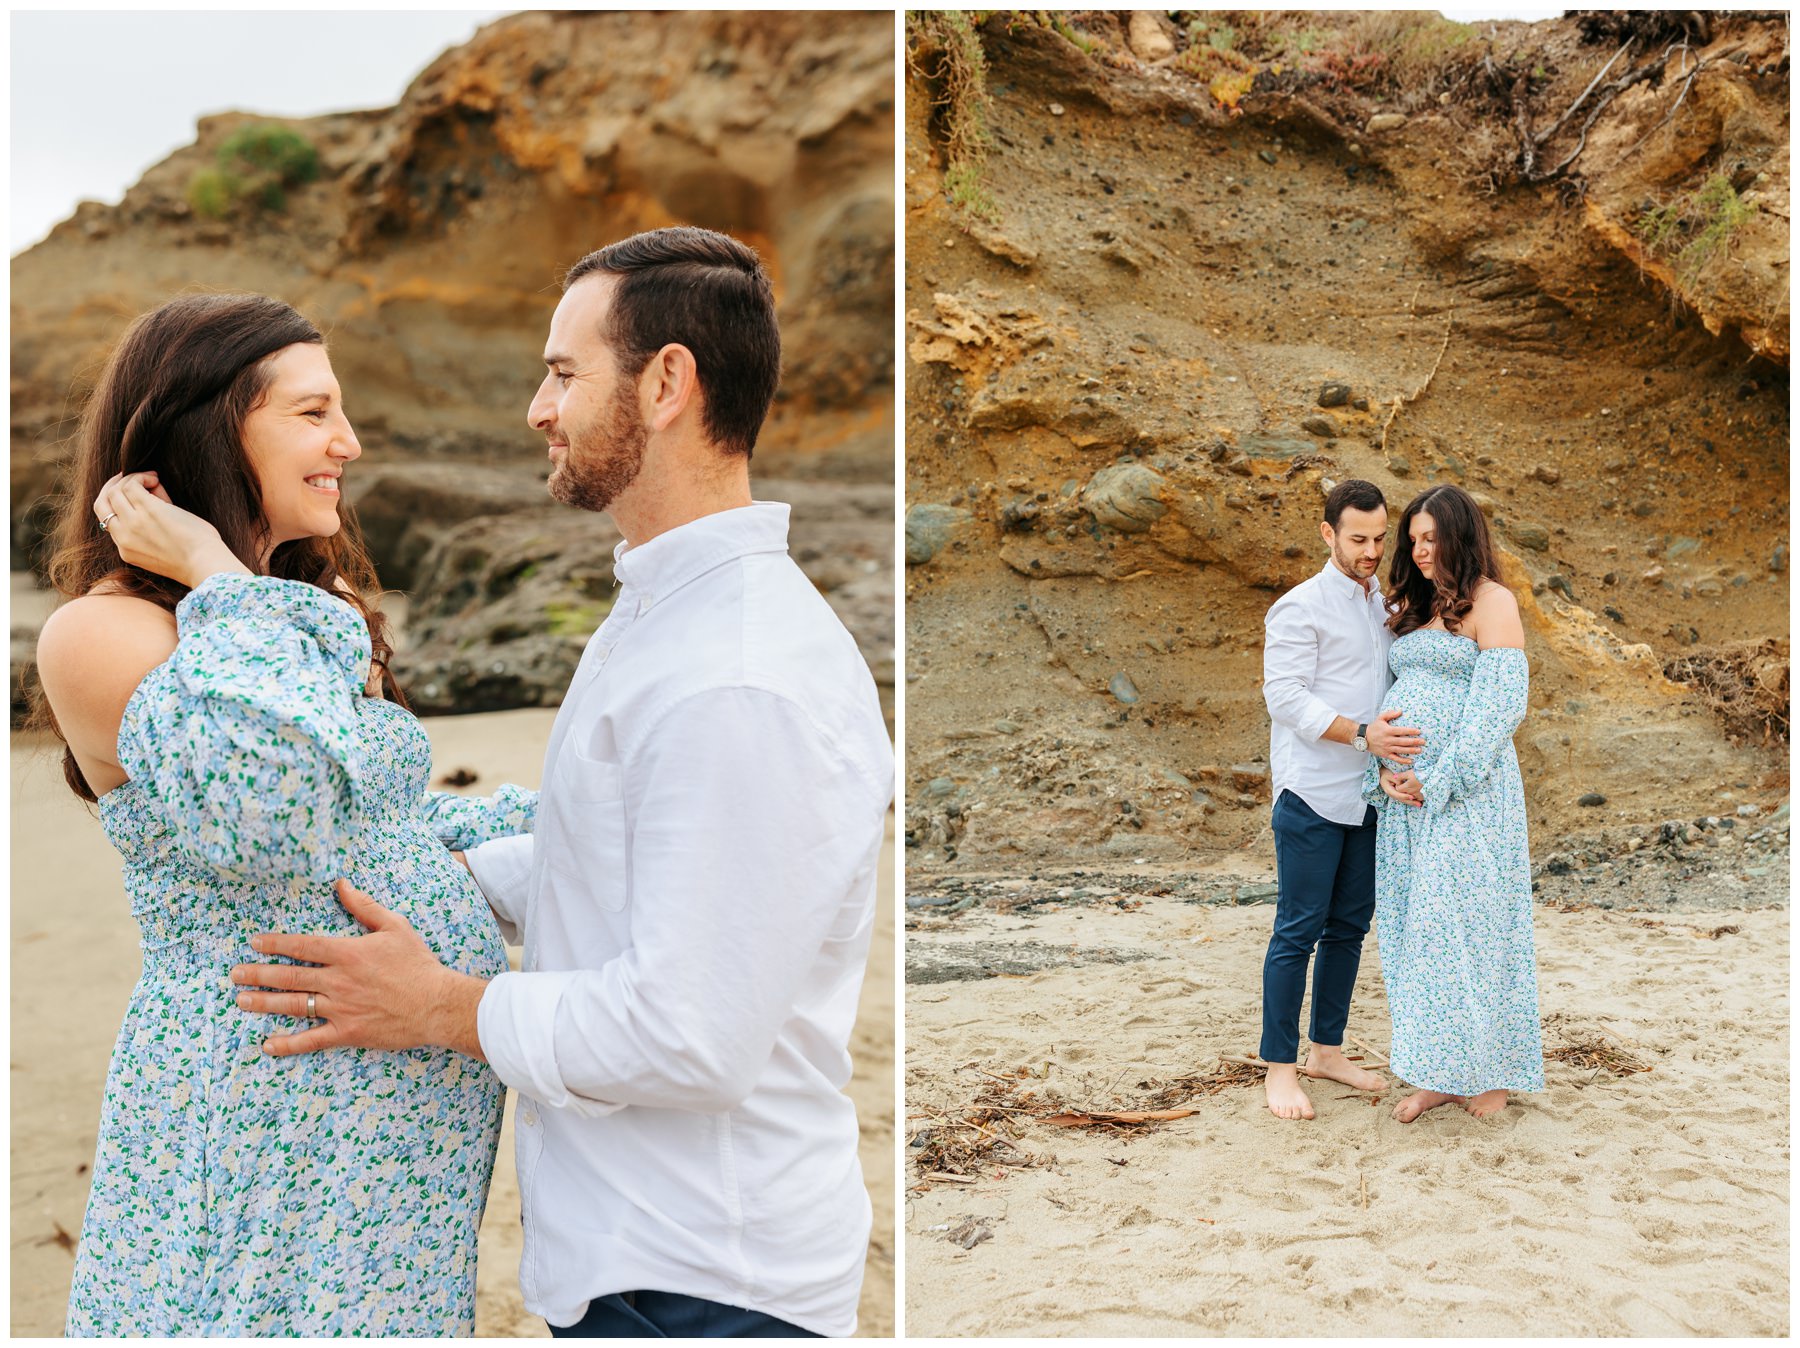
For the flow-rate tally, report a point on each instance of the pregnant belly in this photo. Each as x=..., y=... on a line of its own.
x=411, y=872
x=1422, y=708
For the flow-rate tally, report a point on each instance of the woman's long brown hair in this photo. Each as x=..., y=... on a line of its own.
x=1462, y=559
x=173, y=399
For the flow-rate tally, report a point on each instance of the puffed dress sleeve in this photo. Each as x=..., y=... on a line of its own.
x=244, y=739
x=463, y=822
x=1492, y=711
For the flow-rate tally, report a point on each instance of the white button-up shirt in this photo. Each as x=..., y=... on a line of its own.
x=696, y=904
x=1325, y=655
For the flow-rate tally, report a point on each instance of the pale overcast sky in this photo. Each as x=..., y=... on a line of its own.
x=97, y=97
x=1477, y=13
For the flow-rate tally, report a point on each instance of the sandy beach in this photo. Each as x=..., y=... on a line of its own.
x=75, y=959
x=1654, y=1203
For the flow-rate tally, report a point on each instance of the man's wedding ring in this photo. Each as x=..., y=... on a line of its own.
x=312, y=1006
x=108, y=520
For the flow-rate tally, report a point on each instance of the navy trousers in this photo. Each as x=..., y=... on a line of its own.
x=670, y=1315
x=1326, y=878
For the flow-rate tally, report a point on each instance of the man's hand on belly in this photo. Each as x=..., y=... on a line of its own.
x=1396, y=743
x=385, y=990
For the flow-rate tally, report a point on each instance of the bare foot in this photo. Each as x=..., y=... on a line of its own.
x=1488, y=1102
x=1286, y=1099
x=1419, y=1101
x=1327, y=1061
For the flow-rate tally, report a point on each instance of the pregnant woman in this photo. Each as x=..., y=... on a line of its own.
x=1452, y=867
x=222, y=689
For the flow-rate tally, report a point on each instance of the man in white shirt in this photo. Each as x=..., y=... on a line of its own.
x=1324, y=673
x=698, y=896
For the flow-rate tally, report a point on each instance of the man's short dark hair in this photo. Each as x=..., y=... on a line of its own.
x=1354, y=494
x=705, y=291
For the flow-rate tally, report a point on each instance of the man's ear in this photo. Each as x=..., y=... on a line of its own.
x=1326, y=532
x=669, y=385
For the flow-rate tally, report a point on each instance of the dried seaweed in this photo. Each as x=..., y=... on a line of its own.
x=960, y=1145
x=1230, y=1072
x=1599, y=1055
x=981, y=1140
x=1699, y=933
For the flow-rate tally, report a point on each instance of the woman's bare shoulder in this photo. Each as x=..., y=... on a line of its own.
x=1494, y=620
x=103, y=639
x=1495, y=597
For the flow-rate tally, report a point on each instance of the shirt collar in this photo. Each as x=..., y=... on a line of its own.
x=688, y=551
x=1348, y=587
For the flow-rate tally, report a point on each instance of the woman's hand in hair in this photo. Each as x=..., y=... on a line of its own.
x=153, y=533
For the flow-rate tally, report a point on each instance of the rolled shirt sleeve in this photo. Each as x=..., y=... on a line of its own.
x=1290, y=664
x=753, y=840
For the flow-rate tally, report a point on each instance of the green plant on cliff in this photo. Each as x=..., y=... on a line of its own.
x=944, y=51
x=1407, y=55
x=256, y=166
x=209, y=193
x=1213, y=59
x=1695, y=226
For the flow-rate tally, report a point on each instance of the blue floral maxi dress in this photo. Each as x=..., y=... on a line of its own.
x=1453, y=879
x=236, y=1193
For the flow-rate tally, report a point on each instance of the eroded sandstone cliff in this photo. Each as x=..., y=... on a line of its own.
x=1173, y=311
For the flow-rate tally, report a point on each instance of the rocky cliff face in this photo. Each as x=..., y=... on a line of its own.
x=430, y=250
x=1196, y=306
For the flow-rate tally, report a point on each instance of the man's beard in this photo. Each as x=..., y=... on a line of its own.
x=591, y=476
x=1348, y=564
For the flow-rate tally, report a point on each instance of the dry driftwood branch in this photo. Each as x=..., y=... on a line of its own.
x=1241, y=1060
x=1079, y=1118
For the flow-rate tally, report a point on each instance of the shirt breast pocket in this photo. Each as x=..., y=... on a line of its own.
x=588, y=850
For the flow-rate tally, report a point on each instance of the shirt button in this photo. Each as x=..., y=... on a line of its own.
x=528, y=1115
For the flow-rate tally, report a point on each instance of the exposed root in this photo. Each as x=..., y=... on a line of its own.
x=1402, y=399
x=1533, y=144
x=1744, y=684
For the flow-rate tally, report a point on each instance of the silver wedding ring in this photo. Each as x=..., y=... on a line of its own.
x=108, y=520
x=312, y=1006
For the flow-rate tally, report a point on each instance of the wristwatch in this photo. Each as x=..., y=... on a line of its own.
x=1361, y=741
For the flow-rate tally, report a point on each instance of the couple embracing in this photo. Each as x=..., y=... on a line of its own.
x=1398, y=797
x=305, y=1097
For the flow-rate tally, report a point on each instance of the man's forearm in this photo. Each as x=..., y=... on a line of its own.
x=1342, y=730
x=451, y=1017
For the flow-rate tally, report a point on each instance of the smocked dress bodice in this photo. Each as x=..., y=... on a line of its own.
x=1432, y=671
